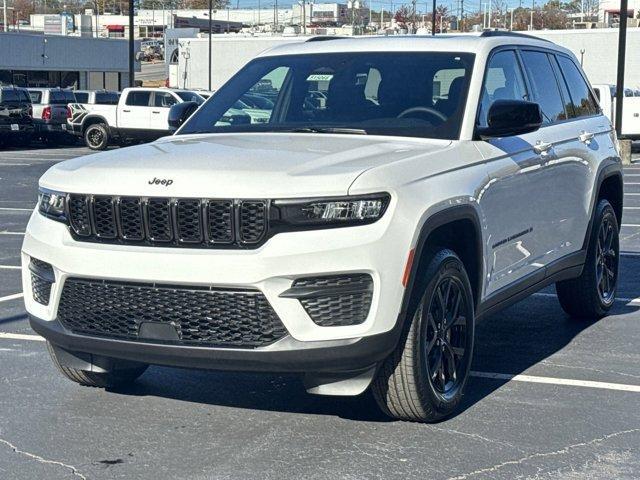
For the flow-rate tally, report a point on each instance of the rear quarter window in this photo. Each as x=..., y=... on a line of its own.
x=82, y=97
x=582, y=101
x=106, y=98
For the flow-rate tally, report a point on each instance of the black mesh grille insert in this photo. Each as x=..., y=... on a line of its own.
x=220, y=221
x=42, y=277
x=159, y=219
x=203, y=316
x=186, y=222
x=104, y=217
x=79, y=214
x=189, y=221
x=346, y=299
x=131, y=218
x=253, y=221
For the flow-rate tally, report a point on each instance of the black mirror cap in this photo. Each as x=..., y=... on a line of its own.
x=179, y=113
x=507, y=118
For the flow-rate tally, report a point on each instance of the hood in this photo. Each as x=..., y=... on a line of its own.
x=265, y=165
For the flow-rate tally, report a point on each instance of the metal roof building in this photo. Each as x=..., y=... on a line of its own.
x=36, y=60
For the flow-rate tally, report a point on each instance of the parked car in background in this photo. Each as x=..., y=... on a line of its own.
x=16, y=124
x=141, y=115
x=50, y=113
x=630, y=109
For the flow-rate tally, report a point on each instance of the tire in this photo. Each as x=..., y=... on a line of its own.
x=593, y=293
x=116, y=378
x=96, y=136
x=409, y=385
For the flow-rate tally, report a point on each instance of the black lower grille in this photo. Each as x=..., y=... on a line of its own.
x=190, y=222
x=42, y=278
x=202, y=316
x=339, y=300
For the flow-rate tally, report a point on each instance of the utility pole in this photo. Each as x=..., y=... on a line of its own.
x=533, y=6
x=4, y=14
x=489, y=8
x=304, y=17
x=511, y=23
x=131, y=45
x=622, y=46
x=210, y=45
x=433, y=19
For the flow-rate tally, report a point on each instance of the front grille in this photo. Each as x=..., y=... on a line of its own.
x=190, y=222
x=339, y=300
x=200, y=316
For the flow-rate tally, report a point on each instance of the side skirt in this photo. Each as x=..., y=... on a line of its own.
x=561, y=269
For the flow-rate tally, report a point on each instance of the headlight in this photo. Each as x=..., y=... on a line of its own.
x=52, y=204
x=331, y=212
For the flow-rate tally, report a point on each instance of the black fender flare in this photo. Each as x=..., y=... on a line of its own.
x=438, y=219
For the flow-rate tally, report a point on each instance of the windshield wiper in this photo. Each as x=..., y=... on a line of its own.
x=348, y=131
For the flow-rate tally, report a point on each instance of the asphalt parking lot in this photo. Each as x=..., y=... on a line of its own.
x=550, y=397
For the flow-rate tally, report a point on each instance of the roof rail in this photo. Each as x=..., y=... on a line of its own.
x=325, y=38
x=503, y=33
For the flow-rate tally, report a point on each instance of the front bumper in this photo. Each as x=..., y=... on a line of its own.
x=378, y=250
x=286, y=355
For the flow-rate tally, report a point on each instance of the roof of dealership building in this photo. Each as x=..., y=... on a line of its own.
x=31, y=51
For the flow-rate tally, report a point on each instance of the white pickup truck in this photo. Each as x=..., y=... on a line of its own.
x=630, y=110
x=140, y=115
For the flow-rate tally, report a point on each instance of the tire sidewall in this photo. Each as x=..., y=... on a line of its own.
x=105, y=136
x=444, y=264
x=603, y=210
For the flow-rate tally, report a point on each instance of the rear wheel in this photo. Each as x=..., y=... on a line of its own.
x=96, y=136
x=593, y=293
x=113, y=378
x=424, y=378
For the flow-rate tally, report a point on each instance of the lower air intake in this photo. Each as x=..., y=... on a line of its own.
x=200, y=316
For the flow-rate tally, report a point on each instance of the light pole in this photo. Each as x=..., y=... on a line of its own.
x=4, y=14
x=433, y=19
x=622, y=45
x=533, y=6
x=132, y=53
x=210, y=45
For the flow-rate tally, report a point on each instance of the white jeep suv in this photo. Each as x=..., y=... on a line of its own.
x=402, y=189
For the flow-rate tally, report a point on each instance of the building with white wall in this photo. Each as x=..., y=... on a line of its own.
x=598, y=49
x=609, y=11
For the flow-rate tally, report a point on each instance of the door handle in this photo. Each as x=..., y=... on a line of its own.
x=126, y=111
x=586, y=137
x=542, y=147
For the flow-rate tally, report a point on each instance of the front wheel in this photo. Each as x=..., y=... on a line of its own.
x=593, y=293
x=114, y=378
x=96, y=136
x=424, y=378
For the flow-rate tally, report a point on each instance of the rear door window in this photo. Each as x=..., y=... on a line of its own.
x=138, y=99
x=582, y=100
x=544, y=86
x=106, y=98
x=36, y=96
x=82, y=97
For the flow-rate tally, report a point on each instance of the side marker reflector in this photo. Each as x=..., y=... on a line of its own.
x=407, y=268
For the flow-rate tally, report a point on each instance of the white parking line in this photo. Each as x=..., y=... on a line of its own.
x=2, y=164
x=627, y=300
x=21, y=336
x=631, y=208
x=558, y=381
x=631, y=194
x=10, y=267
x=629, y=254
x=11, y=233
x=10, y=209
x=11, y=297
x=630, y=225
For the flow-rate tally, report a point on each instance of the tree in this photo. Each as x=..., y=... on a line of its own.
x=402, y=15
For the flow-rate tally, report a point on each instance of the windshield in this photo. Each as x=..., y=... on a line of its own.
x=419, y=94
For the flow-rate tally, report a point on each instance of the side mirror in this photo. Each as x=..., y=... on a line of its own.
x=179, y=113
x=507, y=118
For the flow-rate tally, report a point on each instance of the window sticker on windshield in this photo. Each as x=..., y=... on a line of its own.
x=319, y=77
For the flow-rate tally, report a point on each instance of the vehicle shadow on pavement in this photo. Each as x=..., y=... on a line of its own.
x=509, y=342
x=270, y=392
x=522, y=336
